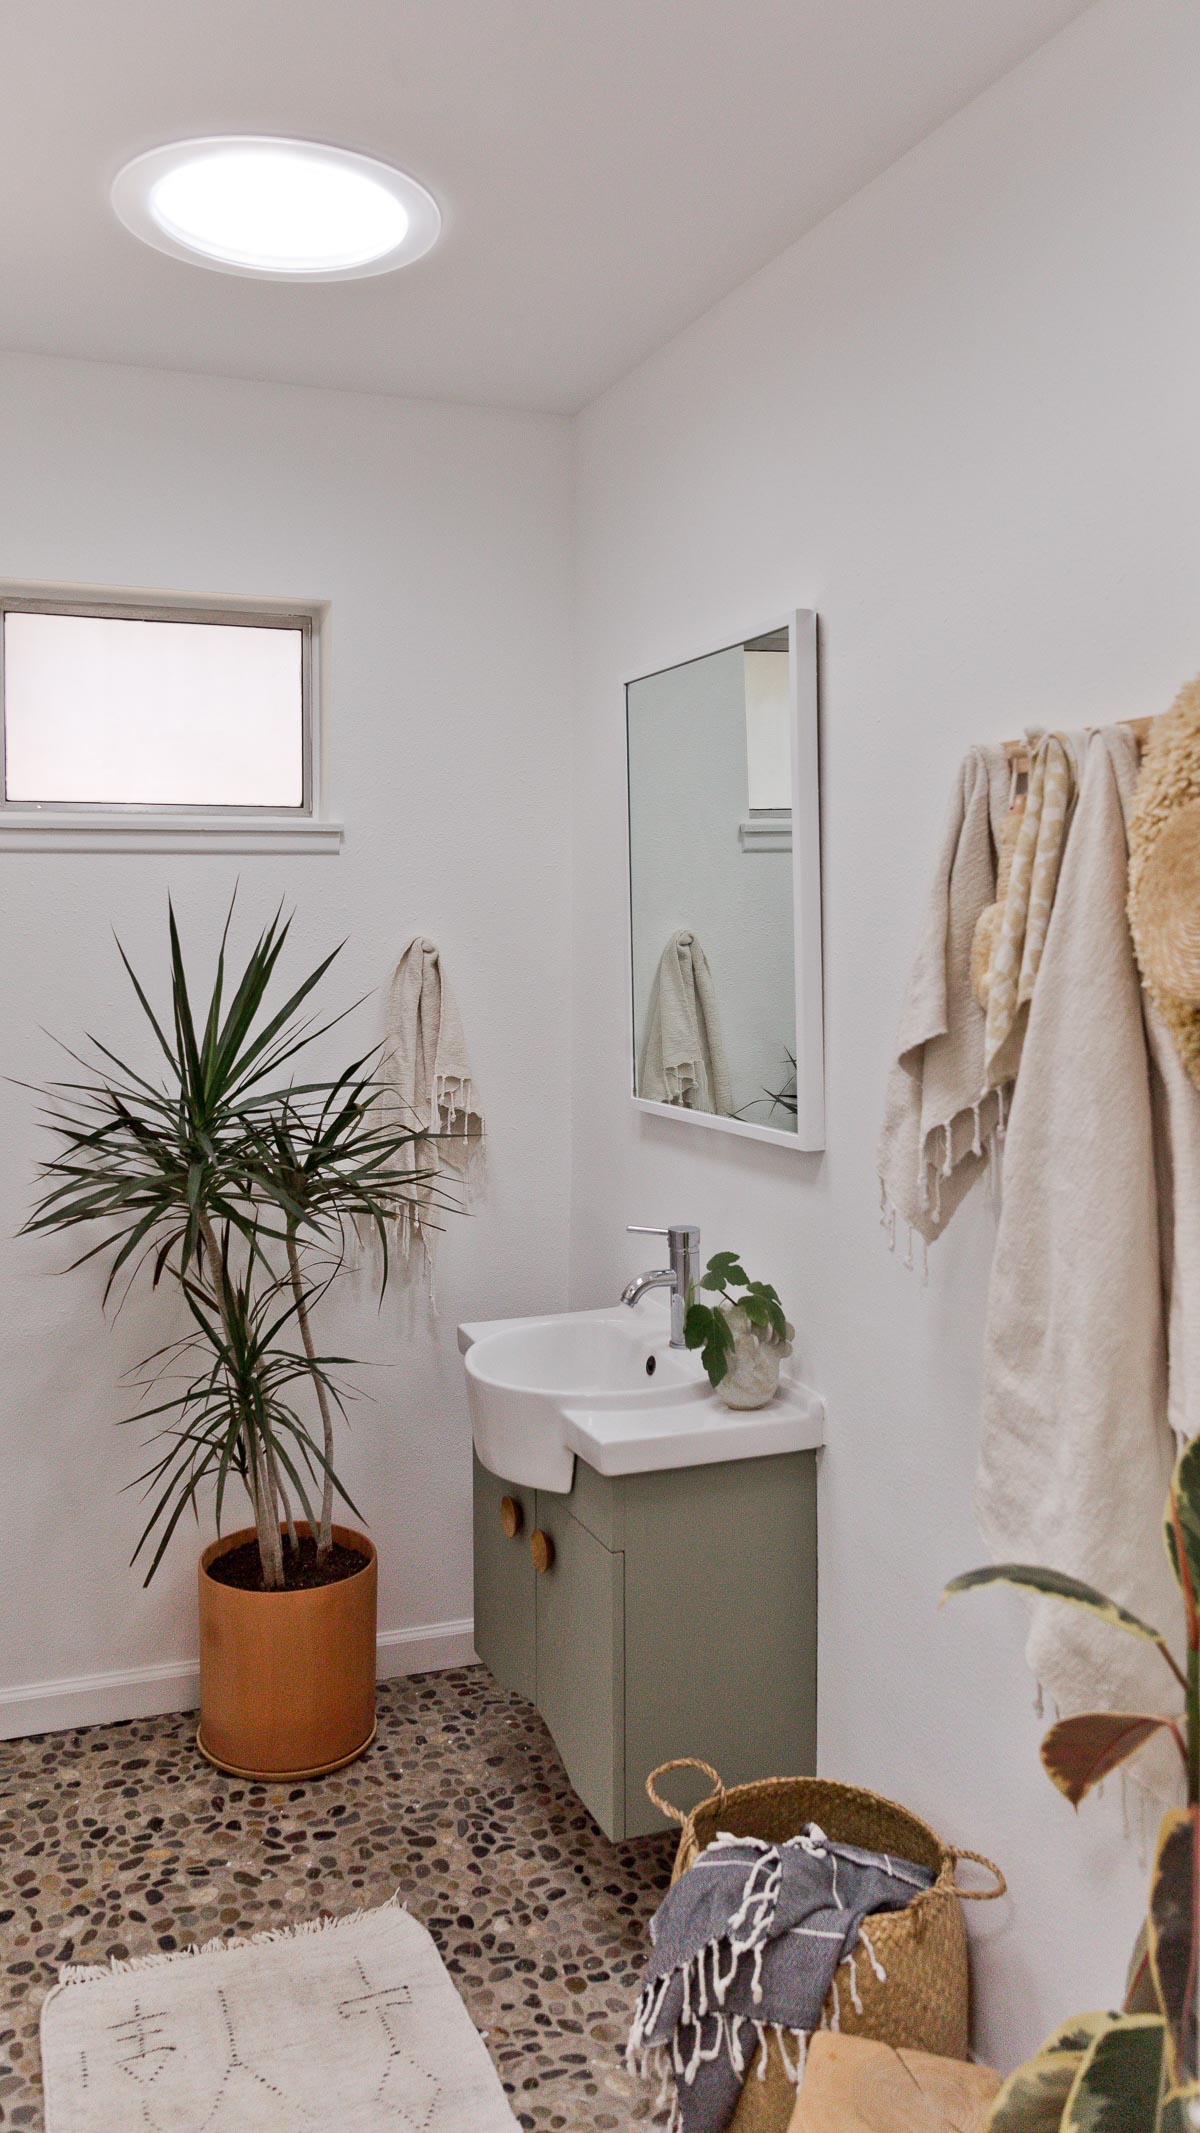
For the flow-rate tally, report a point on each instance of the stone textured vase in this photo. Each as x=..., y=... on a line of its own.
x=753, y=1374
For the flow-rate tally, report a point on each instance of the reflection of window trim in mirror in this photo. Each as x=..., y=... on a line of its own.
x=768, y=829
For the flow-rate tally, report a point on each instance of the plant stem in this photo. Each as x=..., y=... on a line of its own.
x=262, y=1494
x=283, y=1499
x=325, y=1535
x=1193, y=1727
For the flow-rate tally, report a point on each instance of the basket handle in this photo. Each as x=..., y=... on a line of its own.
x=957, y=1854
x=682, y=1762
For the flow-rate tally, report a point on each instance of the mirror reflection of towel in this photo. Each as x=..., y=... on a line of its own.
x=683, y=1057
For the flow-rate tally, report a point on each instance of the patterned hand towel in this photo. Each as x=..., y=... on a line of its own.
x=748, y=1940
x=939, y=1117
x=1025, y=918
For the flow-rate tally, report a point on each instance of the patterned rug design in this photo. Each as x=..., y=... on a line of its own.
x=352, y=2022
x=121, y=1841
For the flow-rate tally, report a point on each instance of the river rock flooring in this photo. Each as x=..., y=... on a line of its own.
x=121, y=1840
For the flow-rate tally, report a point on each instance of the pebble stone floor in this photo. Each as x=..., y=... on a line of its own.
x=120, y=1840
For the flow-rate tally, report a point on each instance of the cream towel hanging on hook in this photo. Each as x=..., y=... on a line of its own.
x=427, y=1076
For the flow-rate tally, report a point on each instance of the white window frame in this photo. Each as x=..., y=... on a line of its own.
x=135, y=826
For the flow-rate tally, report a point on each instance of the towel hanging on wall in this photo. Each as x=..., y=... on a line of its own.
x=1092, y=1348
x=426, y=1073
x=683, y=1057
x=938, y=1117
x=1020, y=935
x=1164, y=873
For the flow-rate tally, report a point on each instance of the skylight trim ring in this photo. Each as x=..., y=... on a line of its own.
x=133, y=202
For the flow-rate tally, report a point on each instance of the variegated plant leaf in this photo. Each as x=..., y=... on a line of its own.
x=1034, y=2098
x=1140, y=1995
x=1183, y=1524
x=1122, y=2080
x=1078, y=1753
x=1173, y=1926
x=1055, y=1585
x=1179, y=2111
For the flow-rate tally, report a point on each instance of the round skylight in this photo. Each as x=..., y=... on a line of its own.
x=284, y=210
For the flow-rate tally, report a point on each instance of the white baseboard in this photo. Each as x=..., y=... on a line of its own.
x=144, y=1691
x=426, y=1650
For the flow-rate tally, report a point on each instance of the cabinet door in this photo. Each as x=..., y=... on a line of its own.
x=504, y=1580
x=581, y=1660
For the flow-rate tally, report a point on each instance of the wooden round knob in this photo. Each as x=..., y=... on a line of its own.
x=541, y=1548
x=512, y=1517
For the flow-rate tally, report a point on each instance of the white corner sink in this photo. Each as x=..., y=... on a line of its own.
x=607, y=1386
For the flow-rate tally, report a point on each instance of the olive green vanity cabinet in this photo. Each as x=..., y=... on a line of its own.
x=675, y=1614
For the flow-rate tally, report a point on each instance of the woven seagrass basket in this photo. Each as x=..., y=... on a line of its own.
x=922, y=2005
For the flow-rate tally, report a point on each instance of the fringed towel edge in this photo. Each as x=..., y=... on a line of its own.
x=125, y=1966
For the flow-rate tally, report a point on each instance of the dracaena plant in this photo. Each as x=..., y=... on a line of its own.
x=219, y=1172
x=1132, y=2071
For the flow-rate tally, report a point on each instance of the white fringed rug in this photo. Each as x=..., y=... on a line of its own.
x=347, y=2026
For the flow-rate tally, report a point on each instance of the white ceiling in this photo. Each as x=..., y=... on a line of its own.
x=607, y=168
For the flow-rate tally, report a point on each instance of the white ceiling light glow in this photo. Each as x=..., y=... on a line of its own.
x=277, y=209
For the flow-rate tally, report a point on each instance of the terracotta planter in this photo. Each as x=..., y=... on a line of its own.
x=287, y=1679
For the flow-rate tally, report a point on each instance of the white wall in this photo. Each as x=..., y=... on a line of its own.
x=960, y=421
x=441, y=537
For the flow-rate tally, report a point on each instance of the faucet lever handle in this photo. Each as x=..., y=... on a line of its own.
x=643, y=1229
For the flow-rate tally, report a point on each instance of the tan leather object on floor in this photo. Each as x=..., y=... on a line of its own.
x=853, y=2085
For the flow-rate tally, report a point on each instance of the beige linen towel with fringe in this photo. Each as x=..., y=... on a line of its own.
x=425, y=1070
x=683, y=1056
x=939, y=1120
x=1097, y=1257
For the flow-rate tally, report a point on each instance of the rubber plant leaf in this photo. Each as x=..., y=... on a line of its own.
x=1079, y=1752
x=1031, y=1577
x=1140, y=1995
x=1172, y=1929
x=1179, y=2111
x=1120, y=2084
x=1034, y=2098
x=1183, y=1525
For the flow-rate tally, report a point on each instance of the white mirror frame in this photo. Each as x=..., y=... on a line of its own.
x=801, y=626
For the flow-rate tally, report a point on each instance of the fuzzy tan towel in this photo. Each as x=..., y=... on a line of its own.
x=427, y=1075
x=1098, y=1250
x=683, y=1057
x=938, y=1120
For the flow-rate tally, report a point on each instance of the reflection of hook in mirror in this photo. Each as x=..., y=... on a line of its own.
x=725, y=914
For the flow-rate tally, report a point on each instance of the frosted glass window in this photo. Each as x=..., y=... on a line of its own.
x=106, y=710
x=768, y=730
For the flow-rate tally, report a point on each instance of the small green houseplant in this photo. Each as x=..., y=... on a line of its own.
x=223, y=1175
x=744, y=1337
x=1132, y=2071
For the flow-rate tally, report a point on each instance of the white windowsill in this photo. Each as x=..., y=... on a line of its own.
x=42, y=830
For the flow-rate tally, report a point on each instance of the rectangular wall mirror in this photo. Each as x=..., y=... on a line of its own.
x=725, y=887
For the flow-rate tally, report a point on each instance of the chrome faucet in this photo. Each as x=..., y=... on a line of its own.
x=683, y=1249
